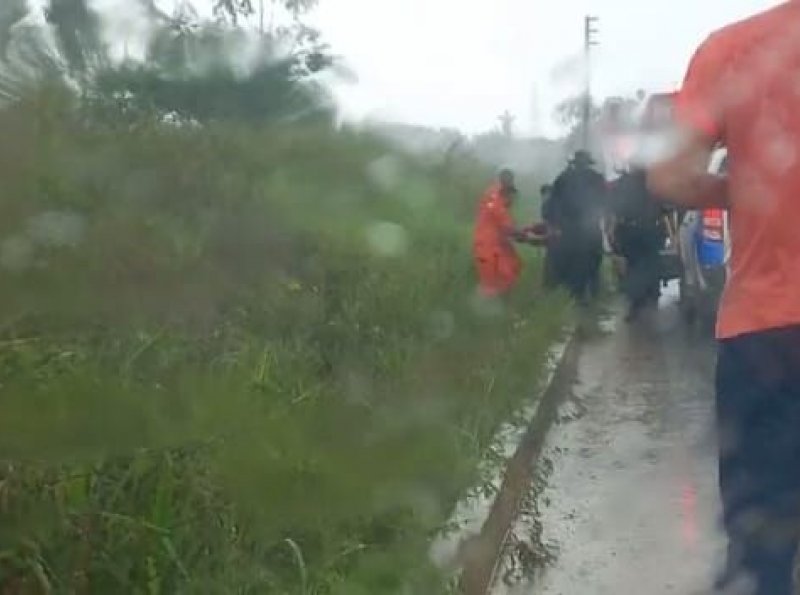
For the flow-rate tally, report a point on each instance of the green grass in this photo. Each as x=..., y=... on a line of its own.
x=242, y=360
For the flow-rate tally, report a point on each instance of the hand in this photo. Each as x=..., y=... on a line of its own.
x=536, y=235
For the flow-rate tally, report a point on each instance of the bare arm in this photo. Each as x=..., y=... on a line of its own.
x=504, y=221
x=683, y=178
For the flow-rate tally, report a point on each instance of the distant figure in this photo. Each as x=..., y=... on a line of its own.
x=496, y=258
x=638, y=237
x=575, y=209
x=741, y=90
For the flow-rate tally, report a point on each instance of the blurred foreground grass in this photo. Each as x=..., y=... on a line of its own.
x=241, y=360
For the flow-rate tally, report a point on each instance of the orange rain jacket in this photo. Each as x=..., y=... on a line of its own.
x=496, y=259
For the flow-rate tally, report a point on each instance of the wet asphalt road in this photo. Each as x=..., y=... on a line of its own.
x=631, y=507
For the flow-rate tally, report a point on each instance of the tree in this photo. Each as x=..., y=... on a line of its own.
x=78, y=36
x=192, y=68
x=196, y=79
x=234, y=9
x=237, y=9
x=569, y=112
x=570, y=115
x=69, y=50
x=28, y=57
x=11, y=13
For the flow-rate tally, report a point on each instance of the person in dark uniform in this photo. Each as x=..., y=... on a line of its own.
x=575, y=209
x=638, y=236
x=549, y=273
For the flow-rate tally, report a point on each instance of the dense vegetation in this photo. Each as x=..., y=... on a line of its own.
x=238, y=354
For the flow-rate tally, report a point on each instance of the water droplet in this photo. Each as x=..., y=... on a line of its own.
x=385, y=172
x=57, y=229
x=780, y=153
x=387, y=239
x=484, y=306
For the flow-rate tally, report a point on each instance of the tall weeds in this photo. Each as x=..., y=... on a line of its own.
x=241, y=360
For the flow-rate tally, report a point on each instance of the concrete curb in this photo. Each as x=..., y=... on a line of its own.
x=481, y=556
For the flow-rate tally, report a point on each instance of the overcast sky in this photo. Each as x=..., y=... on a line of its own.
x=460, y=63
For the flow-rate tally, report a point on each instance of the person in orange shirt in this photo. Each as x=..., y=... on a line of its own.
x=742, y=91
x=496, y=258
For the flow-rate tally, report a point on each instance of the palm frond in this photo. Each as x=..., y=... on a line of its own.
x=11, y=13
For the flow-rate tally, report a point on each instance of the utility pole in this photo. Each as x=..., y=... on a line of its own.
x=590, y=41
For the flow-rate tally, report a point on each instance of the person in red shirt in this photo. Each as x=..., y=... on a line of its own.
x=496, y=258
x=742, y=90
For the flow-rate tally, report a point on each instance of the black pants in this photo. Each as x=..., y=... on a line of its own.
x=595, y=265
x=758, y=407
x=577, y=263
x=640, y=247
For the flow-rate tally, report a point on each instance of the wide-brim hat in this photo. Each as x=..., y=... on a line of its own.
x=582, y=158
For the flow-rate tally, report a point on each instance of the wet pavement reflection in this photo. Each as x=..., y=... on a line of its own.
x=631, y=507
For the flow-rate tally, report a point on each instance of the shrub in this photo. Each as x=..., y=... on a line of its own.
x=241, y=360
